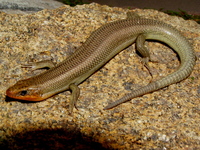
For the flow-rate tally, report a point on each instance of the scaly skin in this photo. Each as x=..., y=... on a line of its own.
x=99, y=48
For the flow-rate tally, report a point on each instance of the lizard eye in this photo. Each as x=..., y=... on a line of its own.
x=23, y=93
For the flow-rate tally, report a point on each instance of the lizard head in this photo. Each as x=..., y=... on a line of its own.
x=23, y=90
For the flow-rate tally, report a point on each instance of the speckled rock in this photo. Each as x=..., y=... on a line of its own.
x=166, y=119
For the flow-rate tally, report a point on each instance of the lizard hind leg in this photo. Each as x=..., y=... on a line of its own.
x=143, y=50
x=132, y=15
x=140, y=44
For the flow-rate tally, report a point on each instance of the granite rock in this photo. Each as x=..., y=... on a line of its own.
x=166, y=119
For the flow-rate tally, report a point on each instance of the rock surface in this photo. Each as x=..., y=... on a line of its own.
x=166, y=119
x=27, y=6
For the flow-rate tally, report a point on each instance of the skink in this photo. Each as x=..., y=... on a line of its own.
x=99, y=48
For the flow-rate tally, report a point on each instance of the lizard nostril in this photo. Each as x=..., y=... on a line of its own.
x=9, y=92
